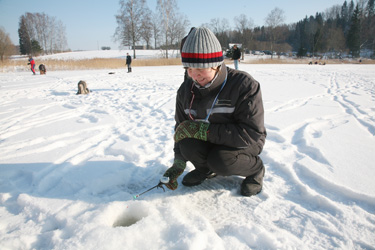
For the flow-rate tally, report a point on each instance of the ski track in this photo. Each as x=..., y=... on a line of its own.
x=74, y=179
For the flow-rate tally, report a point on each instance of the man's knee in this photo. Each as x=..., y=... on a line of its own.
x=226, y=162
x=189, y=146
x=194, y=150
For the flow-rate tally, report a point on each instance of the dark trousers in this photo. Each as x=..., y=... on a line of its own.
x=129, y=67
x=222, y=160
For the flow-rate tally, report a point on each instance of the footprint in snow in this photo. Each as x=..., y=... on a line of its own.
x=88, y=119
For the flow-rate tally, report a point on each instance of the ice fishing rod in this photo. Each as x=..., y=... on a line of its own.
x=164, y=180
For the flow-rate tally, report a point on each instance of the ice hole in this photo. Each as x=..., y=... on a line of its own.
x=131, y=216
x=127, y=221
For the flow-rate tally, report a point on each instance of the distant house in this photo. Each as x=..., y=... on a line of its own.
x=140, y=47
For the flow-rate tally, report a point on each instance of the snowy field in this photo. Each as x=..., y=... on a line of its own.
x=71, y=164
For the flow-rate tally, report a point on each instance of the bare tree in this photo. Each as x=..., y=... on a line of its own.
x=41, y=24
x=6, y=45
x=243, y=23
x=244, y=26
x=220, y=27
x=49, y=33
x=167, y=9
x=30, y=25
x=60, y=39
x=173, y=23
x=274, y=19
x=177, y=29
x=155, y=25
x=131, y=22
x=146, y=31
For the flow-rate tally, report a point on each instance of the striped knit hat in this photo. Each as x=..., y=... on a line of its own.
x=201, y=49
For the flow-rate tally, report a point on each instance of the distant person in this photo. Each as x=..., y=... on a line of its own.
x=32, y=64
x=42, y=69
x=219, y=119
x=129, y=62
x=236, y=56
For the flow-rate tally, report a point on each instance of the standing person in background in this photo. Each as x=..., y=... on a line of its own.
x=236, y=56
x=129, y=62
x=219, y=119
x=32, y=64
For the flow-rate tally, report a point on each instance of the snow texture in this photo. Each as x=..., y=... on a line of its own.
x=71, y=164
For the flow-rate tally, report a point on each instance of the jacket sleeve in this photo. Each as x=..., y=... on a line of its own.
x=180, y=116
x=247, y=128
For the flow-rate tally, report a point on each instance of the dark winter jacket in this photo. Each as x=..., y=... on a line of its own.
x=128, y=59
x=42, y=67
x=236, y=54
x=237, y=119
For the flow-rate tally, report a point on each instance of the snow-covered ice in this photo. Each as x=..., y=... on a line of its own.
x=70, y=164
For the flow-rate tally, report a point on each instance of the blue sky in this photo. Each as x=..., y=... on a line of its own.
x=90, y=24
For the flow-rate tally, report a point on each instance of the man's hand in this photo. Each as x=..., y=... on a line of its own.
x=191, y=129
x=173, y=173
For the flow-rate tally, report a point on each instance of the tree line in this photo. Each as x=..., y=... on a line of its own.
x=39, y=33
x=349, y=29
x=346, y=29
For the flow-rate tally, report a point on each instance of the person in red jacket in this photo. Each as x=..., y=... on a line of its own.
x=32, y=64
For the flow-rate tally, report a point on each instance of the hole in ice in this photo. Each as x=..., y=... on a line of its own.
x=130, y=217
x=126, y=221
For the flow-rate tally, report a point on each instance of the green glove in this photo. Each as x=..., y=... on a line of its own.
x=174, y=172
x=191, y=129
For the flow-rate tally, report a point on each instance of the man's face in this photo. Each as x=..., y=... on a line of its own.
x=202, y=76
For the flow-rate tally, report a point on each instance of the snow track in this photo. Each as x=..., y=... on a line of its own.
x=70, y=164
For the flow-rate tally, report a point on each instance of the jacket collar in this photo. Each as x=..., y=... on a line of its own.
x=215, y=83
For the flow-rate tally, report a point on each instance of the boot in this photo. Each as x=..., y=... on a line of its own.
x=195, y=178
x=253, y=184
